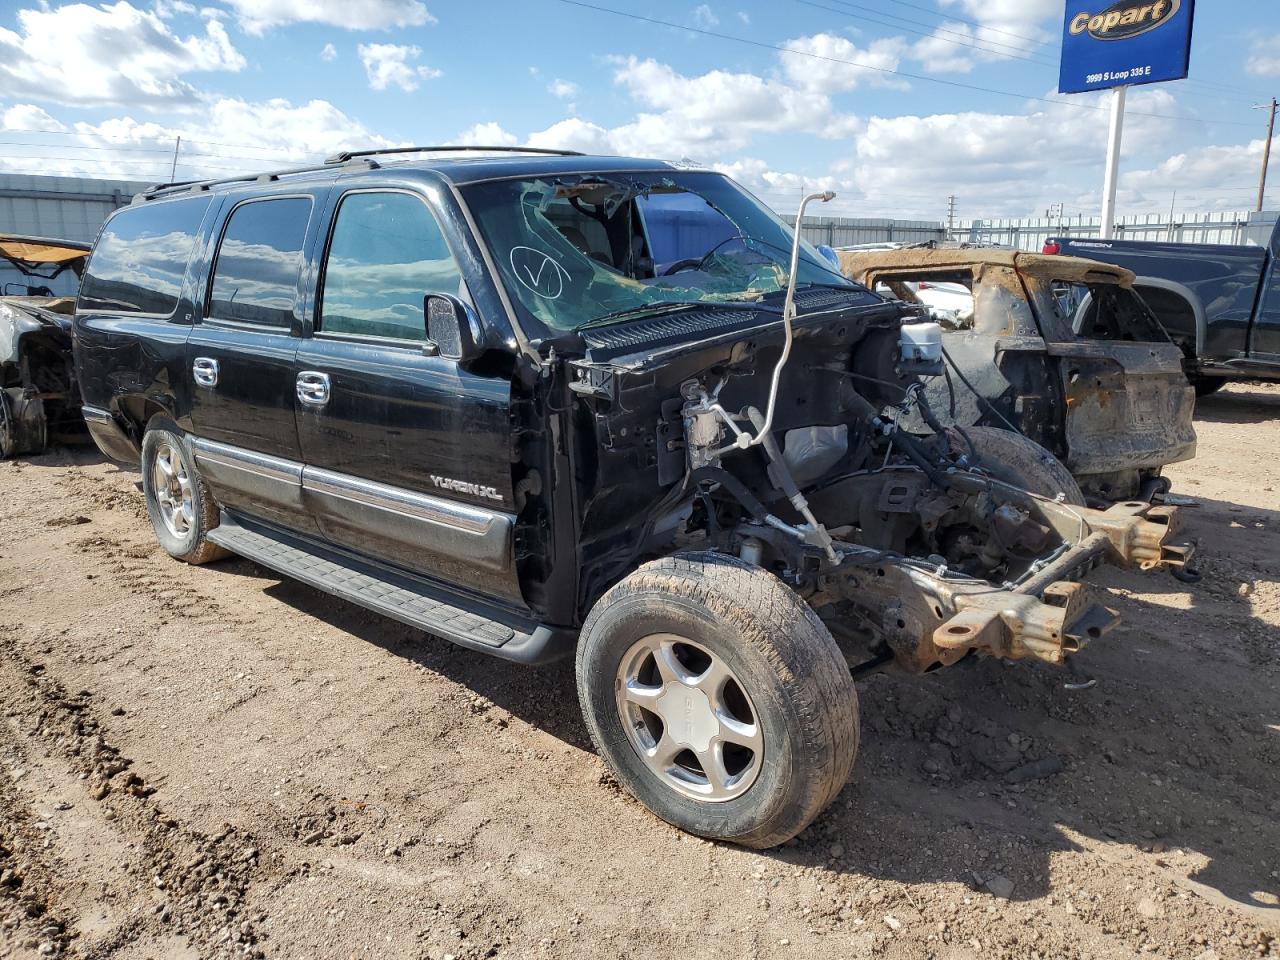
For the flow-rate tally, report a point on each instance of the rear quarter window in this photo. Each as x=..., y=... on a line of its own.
x=141, y=256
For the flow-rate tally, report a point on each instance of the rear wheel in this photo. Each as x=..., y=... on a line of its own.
x=1206, y=386
x=718, y=698
x=1021, y=462
x=181, y=509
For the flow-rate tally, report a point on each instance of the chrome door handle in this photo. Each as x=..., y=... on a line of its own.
x=313, y=388
x=205, y=372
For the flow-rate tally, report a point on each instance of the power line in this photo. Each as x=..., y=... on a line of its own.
x=779, y=48
x=972, y=23
x=117, y=163
x=932, y=34
x=169, y=140
x=985, y=46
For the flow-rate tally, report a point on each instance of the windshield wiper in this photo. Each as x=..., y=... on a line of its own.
x=670, y=306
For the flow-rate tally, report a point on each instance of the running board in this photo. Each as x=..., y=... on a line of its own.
x=399, y=596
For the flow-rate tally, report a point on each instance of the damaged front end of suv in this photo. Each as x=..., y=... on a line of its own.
x=748, y=400
x=38, y=393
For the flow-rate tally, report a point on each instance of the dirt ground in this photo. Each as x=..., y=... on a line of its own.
x=207, y=762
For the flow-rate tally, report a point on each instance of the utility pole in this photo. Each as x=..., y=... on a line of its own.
x=173, y=170
x=1266, y=152
x=951, y=217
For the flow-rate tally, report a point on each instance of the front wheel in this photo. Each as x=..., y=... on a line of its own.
x=718, y=698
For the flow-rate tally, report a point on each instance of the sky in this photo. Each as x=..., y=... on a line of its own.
x=895, y=105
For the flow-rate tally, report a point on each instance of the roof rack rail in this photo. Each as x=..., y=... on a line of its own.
x=346, y=155
x=338, y=159
x=264, y=177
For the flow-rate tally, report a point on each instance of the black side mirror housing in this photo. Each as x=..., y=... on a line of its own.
x=450, y=332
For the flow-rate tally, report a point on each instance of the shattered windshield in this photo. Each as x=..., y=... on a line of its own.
x=589, y=249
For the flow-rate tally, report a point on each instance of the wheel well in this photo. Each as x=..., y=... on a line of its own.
x=1176, y=310
x=138, y=412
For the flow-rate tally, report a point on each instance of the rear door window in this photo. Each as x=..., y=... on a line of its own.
x=386, y=254
x=255, y=277
x=1106, y=311
x=140, y=258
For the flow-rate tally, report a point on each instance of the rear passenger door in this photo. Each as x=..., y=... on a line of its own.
x=407, y=453
x=241, y=355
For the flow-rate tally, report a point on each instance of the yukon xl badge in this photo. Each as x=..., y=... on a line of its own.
x=461, y=486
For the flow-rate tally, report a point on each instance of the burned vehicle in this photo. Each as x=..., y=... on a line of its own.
x=478, y=395
x=1060, y=349
x=38, y=395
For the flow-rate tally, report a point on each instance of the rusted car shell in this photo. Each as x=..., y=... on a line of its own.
x=1114, y=409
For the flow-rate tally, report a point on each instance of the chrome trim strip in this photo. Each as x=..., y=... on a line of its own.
x=473, y=520
x=97, y=414
x=259, y=464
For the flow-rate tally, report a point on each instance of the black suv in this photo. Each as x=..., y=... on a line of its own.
x=538, y=404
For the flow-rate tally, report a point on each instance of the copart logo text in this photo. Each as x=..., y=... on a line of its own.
x=1125, y=19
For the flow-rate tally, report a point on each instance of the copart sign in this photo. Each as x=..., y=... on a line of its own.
x=1130, y=41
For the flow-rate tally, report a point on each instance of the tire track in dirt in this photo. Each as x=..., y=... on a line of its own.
x=198, y=883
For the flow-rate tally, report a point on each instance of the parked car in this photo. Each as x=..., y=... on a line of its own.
x=478, y=396
x=1220, y=303
x=1060, y=349
x=38, y=395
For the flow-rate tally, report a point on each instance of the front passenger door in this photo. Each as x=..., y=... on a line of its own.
x=407, y=454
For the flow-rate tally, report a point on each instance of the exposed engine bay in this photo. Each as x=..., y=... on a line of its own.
x=726, y=388
x=907, y=546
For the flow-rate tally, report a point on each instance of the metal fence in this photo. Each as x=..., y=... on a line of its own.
x=1030, y=233
x=847, y=231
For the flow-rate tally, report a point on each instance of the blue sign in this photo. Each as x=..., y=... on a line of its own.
x=1124, y=42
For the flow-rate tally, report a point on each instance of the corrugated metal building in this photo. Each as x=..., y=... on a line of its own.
x=64, y=208
x=67, y=208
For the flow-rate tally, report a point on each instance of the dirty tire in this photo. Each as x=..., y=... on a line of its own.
x=192, y=547
x=1023, y=463
x=1206, y=386
x=782, y=656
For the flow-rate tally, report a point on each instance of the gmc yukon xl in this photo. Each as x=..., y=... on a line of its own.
x=477, y=395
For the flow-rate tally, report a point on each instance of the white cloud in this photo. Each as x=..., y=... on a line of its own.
x=1264, y=57
x=28, y=117
x=812, y=66
x=1201, y=177
x=108, y=55
x=171, y=8
x=387, y=64
x=744, y=17
x=715, y=113
x=258, y=16
x=1016, y=163
x=573, y=134
x=562, y=89
x=329, y=53
x=488, y=134
x=1014, y=17
x=705, y=17
x=999, y=30
x=232, y=136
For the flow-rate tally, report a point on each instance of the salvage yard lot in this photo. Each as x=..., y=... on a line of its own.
x=209, y=761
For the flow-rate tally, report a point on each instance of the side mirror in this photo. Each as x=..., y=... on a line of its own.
x=449, y=330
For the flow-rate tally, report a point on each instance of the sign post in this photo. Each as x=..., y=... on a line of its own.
x=1112, y=173
x=1115, y=46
